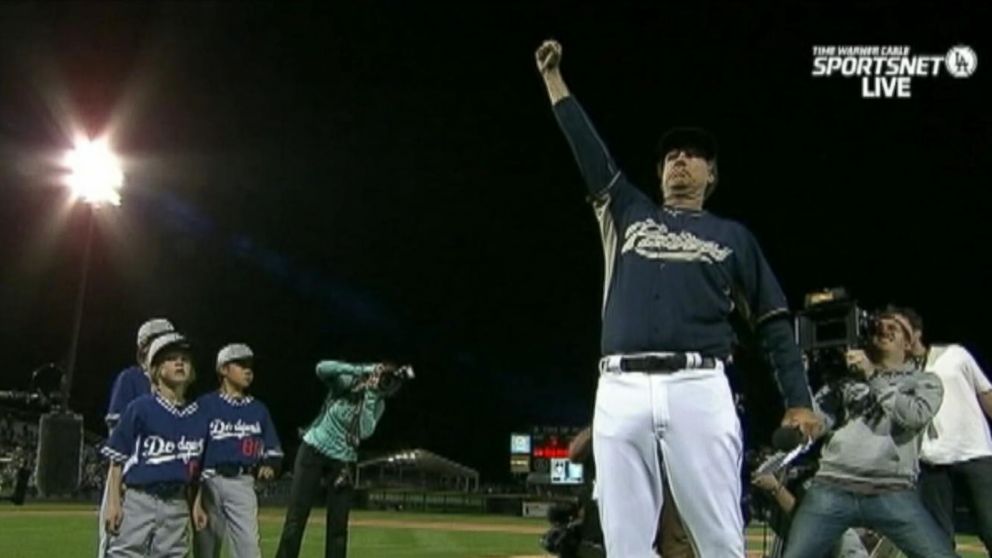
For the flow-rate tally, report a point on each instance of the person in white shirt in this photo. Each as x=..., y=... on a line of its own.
x=958, y=448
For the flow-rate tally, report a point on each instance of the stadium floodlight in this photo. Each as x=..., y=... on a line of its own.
x=96, y=177
x=95, y=174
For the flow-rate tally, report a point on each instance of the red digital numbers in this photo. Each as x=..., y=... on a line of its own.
x=550, y=452
x=251, y=447
x=550, y=446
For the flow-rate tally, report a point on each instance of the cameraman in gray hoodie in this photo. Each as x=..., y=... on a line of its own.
x=875, y=415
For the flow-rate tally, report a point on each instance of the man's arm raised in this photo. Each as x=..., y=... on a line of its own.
x=599, y=171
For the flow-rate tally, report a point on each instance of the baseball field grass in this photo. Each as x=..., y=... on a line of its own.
x=69, y=531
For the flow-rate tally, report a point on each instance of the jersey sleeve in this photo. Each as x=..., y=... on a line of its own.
x=339, y=375
x=976, y=377
x=121, y=394
x=604, y=180
x=371, y=411
x=913, y=402
x=767, y=312
x=270, y=437
x=761, y=288
x=121, y=444
x=204, y=414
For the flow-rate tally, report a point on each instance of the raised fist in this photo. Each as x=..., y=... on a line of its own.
x=548, y=56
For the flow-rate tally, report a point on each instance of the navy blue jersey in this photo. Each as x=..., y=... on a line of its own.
x=240, y=431
x=674, y=276
x=131, y=383
x=157, y=442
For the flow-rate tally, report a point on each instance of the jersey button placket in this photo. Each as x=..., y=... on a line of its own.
x=655, y=330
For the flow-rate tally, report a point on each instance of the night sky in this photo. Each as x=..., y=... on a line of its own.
x=388, y=182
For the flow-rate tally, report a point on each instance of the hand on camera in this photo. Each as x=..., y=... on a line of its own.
x=858, y=360
x=368, y=382
x=385, y=368
x=374, y=379
x=857, y=397
x=766, y=482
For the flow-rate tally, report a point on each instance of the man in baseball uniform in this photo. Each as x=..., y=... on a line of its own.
x=675, y=274
x=241, y=443
x=130, y=383
x=154, y=454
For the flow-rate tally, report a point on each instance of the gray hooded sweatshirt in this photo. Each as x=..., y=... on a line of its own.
x=875, y=427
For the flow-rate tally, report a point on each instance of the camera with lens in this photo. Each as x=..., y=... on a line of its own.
x=566, y=530
x=830, y=324
x=44, y=390
x=575, y=531
x=392, y=378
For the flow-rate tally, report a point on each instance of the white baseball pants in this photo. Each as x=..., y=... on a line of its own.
x=682, y=425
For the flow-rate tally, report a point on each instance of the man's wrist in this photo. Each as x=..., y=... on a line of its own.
x=797, y=402
x=557, y=90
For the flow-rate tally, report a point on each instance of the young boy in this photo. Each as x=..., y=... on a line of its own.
x=241, y=441
x=155, y=452
x=130, y=383
x=134, y=381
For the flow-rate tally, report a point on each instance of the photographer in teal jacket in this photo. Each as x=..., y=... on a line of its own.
x=352, y=409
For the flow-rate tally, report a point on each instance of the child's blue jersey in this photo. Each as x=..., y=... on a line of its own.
x=157, y=442
x=130, y=384
x=239, y=432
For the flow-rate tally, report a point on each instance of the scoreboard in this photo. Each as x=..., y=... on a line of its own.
x=544, y=450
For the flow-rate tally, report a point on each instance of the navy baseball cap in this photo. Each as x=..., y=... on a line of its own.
x=687, y=136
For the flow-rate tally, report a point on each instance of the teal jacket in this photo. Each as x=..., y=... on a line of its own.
x=346, y=418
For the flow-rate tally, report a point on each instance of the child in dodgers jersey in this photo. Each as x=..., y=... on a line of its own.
x=155, y=453
x=131, y=383
x=241, y=438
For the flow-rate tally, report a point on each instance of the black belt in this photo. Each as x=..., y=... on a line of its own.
x=657, y=363
x=162, y=490
x=231, y=469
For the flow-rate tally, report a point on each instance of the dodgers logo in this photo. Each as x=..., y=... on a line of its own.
x=220, y=429
x=961, y=61
x=157, y=450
